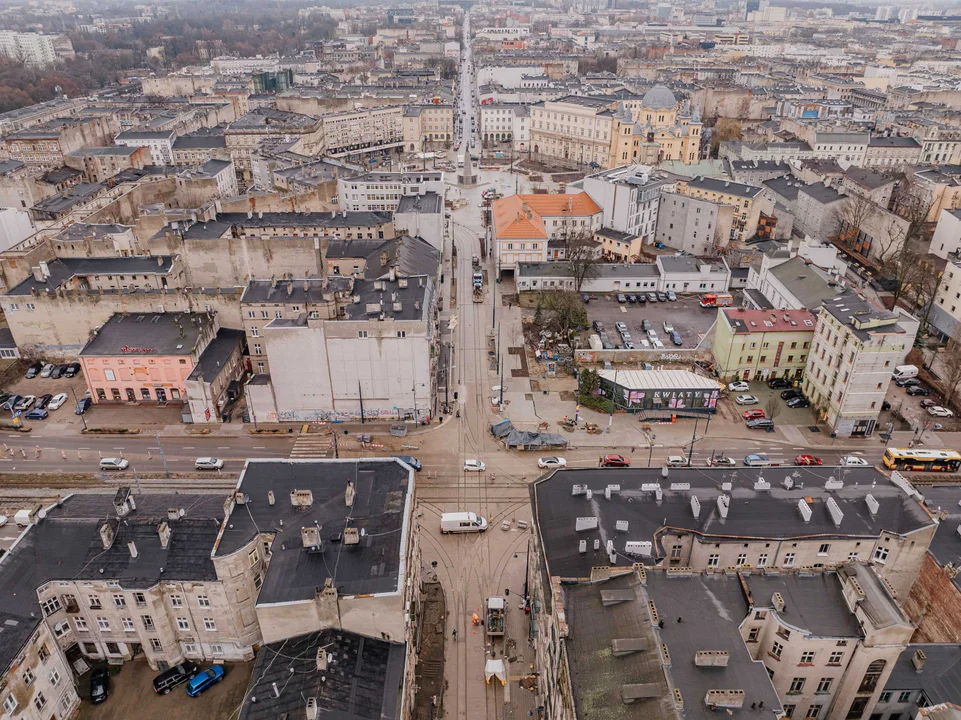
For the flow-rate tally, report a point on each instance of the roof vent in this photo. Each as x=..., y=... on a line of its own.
x=805, y=509
x=835, y=511
x=302, y=499
x=585, y=523
x=349, y=494
x=107, y=533
x=351, y=536
x=640, y=691
x=762, y=484
x=777, y=600
x=628, y=646
x=312, y=701
x=730, y=699
x=873, y=505
x=132, y=547
x=695, y=505
x=723, y=505
x=711, y=658
x=918, y=659
x=310, y=536
x=833, y=483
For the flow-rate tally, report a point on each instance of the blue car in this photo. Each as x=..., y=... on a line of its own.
x=37, y=414
x=410, y=460
x=202, y=681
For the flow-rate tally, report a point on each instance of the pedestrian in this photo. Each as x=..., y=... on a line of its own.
x=455, y=634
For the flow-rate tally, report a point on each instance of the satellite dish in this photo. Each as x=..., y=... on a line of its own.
x=42, y=513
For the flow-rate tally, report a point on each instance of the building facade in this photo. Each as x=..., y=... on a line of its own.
x=747, y=201
x=759, y=345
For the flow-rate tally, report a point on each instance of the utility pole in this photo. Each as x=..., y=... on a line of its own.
x=360, y=394
x=690, y=451
x=610, y=420
x=162, y=456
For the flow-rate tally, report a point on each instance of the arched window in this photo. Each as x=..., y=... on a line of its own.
x=873, y=675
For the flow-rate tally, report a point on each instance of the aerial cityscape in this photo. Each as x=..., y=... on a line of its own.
x=554, y=359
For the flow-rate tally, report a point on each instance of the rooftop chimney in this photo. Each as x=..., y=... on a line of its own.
x=777, y=600
x=310, y=536
x=302, y=499
x=351, y=536
x=173, y=514
x=107, y=533
x=918, y=660
x=349, y=494
x=132, y=547
x=163, y=531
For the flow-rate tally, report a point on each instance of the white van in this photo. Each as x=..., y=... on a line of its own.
x=903, y=372
x=462, y=522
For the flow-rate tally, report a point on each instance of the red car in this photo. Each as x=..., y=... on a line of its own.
x=807, y=460
x=615, y=461
x=754, y=414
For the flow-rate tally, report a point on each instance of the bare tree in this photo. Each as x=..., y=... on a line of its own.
x=952, y=366
x=583, y=255
x=564, y=312
x=850, y=218
x=923, y=284
x=772, y=408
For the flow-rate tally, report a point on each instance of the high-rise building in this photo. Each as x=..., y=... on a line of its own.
x=35, y=49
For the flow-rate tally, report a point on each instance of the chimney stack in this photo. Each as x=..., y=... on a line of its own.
x=163, y=531
x=132, y=547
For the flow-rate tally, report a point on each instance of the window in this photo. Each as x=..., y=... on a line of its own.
x=713, y=560
x=835, y=658
x=762, y=560
x=784, y=632
x=881, y=555
x=182, y=624
x=676, y=551
x=176, y=601
x=742, y=559
x=209, y=624
x=140, y=599
x=814, y=711
x=80, y=624
x=28, y=676
x=61, y=628
x=264, y=314
x=217, y=649
x=824, y=685
x=857, y=708
x=789, y=711
x=789, y=560
x=103, y=623
x=39, y=701
x=776, y=649
x=278, y=315
x=254, y=332
x=257, y=349
x=44, y=653
x=147, y=621
x=10, y=704
x=203, y=601
x=752, y=634
x=797, y=686
x=824, y=549
x=254, y=557
x=119, y=601
x=258, y=581
x=54, y=677
x=109, y=374
x=870, y=680
x=885, y=697
x=50, y=606
x=127, y=624
x=807, y=658
x=94, y=602
x=904, y=696
x=853, y=557
x=156, y=645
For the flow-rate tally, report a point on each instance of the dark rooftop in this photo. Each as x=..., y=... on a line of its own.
x=894, y=141
x=822, y=193
x=755, y=513
x=215, y=356
x=409, y=256
x=429, y=202
x=79, y=193
x=728, y=187
x=867, y=178
x=64, y=269
x=363, y=680
x=159, y=333
x=351, y=218
x=310, y=290
x=271, y=119
x=199, y=142
x=813, y=603
x=939, y=679
x=946, y=544
x=380, y=511
x=146, y=135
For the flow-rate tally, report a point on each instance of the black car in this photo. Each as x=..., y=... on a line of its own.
x=173, y=677
x=34, y=370
x=43, y=401
x=778, y=384
x=799, y=402
x=792, y=393
x=917, y=390
x=58, y=371
x=641, y=298
x=632, y=298
x=11, y=402
x=99, y=685
x=907, y=382
x=885, y=405
x=83, y=406
x=74, y=368
x=598, y=326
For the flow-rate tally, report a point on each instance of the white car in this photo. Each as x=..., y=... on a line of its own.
x=621, y=327
x=26, y=403
x=746, y=400
x=668, y=327
x=47, y=369
x=58, y=400
x=113, y=464
x=739, y=386
x=652, y=334
x=676, y=461
x=657, y=344
x=474, y=466
x=208, y=463
x=937, y=411
x=852, y=461
x=551, y=462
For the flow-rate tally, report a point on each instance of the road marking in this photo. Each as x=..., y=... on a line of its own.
x=223, y=447
x=259, y=447
x=189, y=448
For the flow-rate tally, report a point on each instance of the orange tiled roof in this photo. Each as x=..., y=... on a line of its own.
x=521, y=216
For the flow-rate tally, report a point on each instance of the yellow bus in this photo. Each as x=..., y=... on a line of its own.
x=922, y=460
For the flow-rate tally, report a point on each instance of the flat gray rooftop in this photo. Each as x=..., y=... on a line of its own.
x=161, y=333
x=946, y=544
x=752, y=514
x=382, y=494
x=811, y=603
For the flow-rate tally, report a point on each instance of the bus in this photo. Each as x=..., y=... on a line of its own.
x=922, y=460
x=716, y=300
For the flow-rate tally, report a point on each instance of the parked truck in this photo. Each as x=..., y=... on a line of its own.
x=478, y=294
x=478, y=279
x=712, y=300
x=496, y=610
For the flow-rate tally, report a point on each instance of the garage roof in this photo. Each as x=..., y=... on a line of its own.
x=659, y=379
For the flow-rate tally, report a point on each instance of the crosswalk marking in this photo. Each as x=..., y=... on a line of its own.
x=312, y=446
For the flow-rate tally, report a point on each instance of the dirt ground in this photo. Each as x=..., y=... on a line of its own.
x=430, y=667
x=132, y=696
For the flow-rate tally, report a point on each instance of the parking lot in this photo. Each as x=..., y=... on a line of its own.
x=760, y=390
x=686, y=315
x=38, y=386
x=132, y=695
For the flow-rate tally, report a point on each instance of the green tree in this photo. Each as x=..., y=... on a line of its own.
x=565, y=313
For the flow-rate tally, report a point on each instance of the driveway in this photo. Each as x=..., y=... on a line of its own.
x=132, y=695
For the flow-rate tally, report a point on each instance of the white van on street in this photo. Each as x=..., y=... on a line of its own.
x=462, y=522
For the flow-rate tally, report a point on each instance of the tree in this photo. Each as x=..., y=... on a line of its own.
x=849, y=219
x=564, y=313
x=582, y=254
x=952, y=366
x=772, y=408
x=589, y=382
x=725, y=129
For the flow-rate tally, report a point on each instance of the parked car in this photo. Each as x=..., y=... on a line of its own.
x=202, y=681
x=661, y=297
x=26, y=403
x=83, y=406
x=746, y=400
x=652, y=297
x=906, y=381
x=551, y=462
x=631, y=298
x=99, y=685
x=621, y=327
x=917, y=390
x=668, y=328
x=645, y=324
x=474, y=466
x=792, y=393
x=11, y=402
x=615, y=461
x=671, y=296
x=598, y=326
x=651, y=334
x=208, y=463
x=113, y=464
x=720, y=461
x=47, y=369
x=34, y=370
x=754, y=414
x=760, y=424
x=676, y=338
x=853, y=461
x=677, y=461
x=57, y=401
x=641, y=298
x=757, y=461
x=798, y=402
x=628, y=345
x=177, y=675
x=738, y=386
x=58, y=371
x=44, y=400
x=938, y=411
x=778, y=383
x=621, y=298
x=37, y=414
x=928, y=402
x=657, y=344
x=807, y=460
x=73, y=369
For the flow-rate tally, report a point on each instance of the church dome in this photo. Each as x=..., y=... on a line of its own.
x=659, y=98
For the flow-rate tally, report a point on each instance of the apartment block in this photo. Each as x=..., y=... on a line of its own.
x=158, y=142
x=629, y=197
x=747, y=200
x=698, y=227
x=363, y=131
x=382, y=191
x=44, y=145
x=99, y=164
x=243, y=137
x=505, y=125
x=760, y=344
x=855, y=350
x=35, y=49
x=432, y=123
